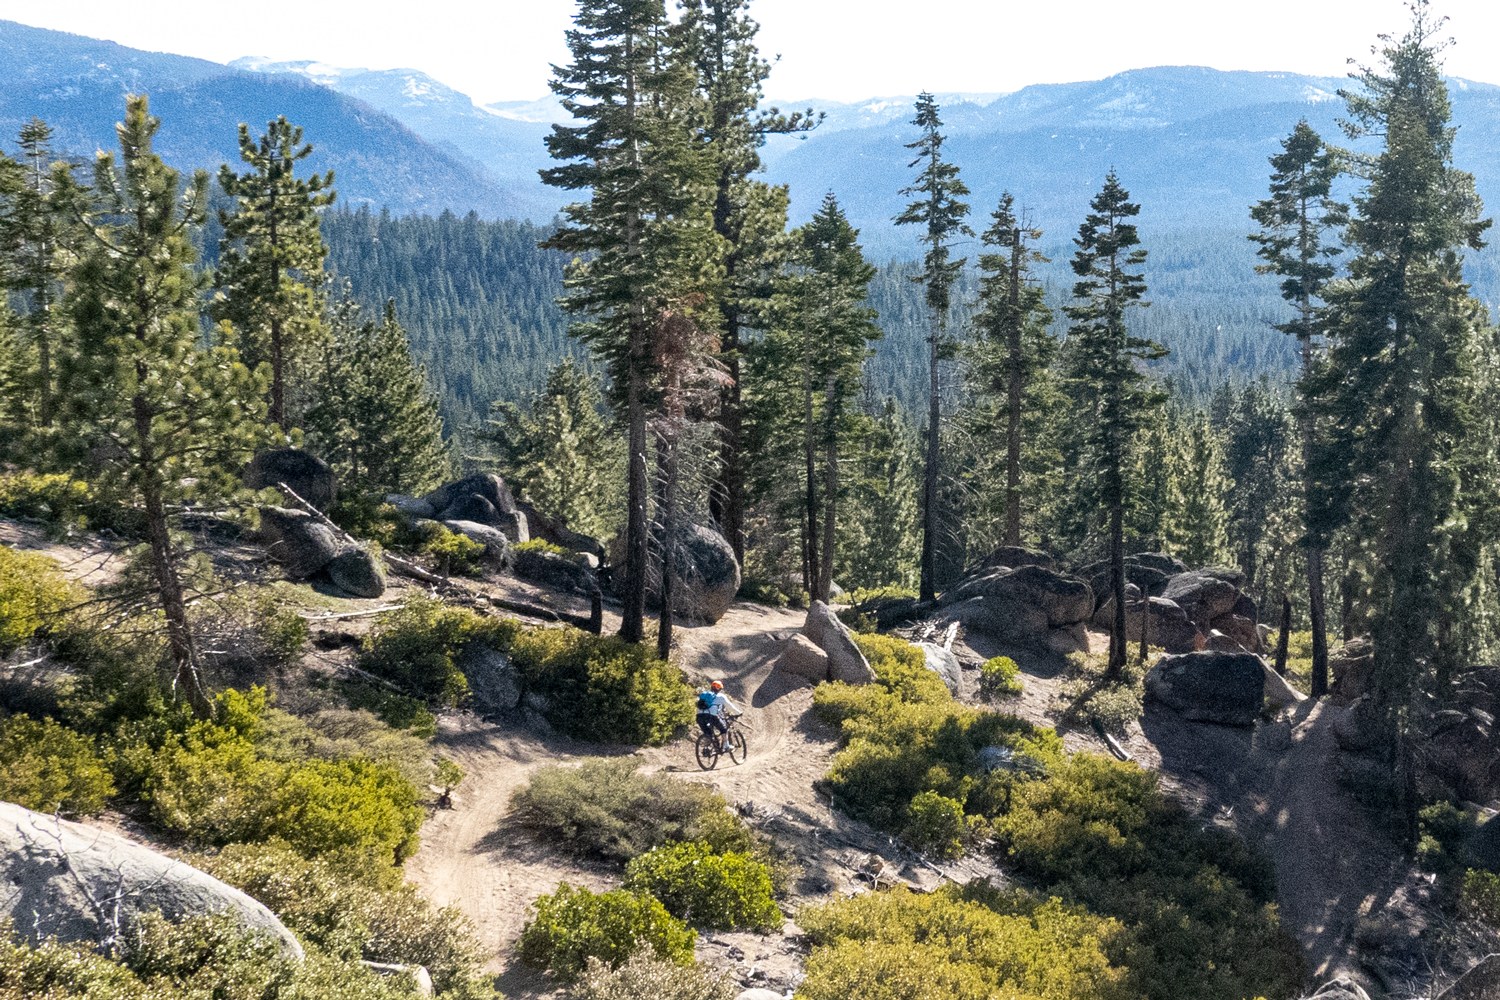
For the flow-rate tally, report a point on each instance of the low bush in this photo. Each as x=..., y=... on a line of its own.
x=209, y=781
x=999, y=676
x=33, y=593
x=254, y=631
x=901, y=669
x=605, y=809
x=960, y=944
x=860, y=596
x=936, y=824
x=1198, y=903
x=50, y=768
x=573, y=925
x=57, y=500
x=707, y=889
x=1116, y=706
x=418, y=647
x=1444, y=831
x=396, y=710
x=541, y=547
x=643, y=976
x=350, y=911
x=1480, y=897
x=451, y=551
x=603, y=688
x=761, y=591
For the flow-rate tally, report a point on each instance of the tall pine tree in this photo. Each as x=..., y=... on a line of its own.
x=144, y=408
x=270, y=273
x=644, y=242
x=938, y=208
x=1296, y=222
x=1399, y=381
x=1113, y=397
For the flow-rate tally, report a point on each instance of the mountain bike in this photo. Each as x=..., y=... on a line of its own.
x=711, y=747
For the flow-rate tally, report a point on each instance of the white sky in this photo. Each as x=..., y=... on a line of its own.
x=831, y=49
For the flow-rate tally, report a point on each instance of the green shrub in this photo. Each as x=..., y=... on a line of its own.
x=605, y=809
x=541, y=547
x=33, y=593
x=603, y=688
x=936, y=823
x=900, y=945
x=860, y=596
x=53, y=498
x=573, y=925
x=1198, y=903
x=452, y=551
x=901, y=669
x=50, y=768
x=257, y=631
x=999, y=676
x=419, y=645
x=1445, y=829
x=211, y=782
x=643, y=976
x=396, y=710
x=345, y=908
x=705, y=888
x=1480, y=897
x=1116, y=706
x=761, y=591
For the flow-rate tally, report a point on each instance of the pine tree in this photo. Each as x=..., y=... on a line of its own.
x=373, y=416
x=644, y=242
x=939, y=209
x=879, y=540
x=749, y=215
x=1296, y=221
x=1399, y=380
x=1260, y=438
x=143, y=407
x=1013, y=348
x=1113, y=397
x=1198, y=532
x=271, y=261
x=560, y=451
x=35, y=235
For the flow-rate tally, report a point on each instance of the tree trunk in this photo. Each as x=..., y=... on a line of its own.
x=1145, y=624
x=667, y=452
x=1013, y=405
x=830, y=499
x=633, y=615
x=1317, y=617
x=930, y=476
x=1117, y=639
x=810, y=545
x=188, y=680
x=1283, y=639
x=278, y=348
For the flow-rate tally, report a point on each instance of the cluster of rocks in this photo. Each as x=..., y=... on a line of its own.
x=1018, y=595
x=1186, y=610
x=301, y=542
x=824, y=651
x=479, y=507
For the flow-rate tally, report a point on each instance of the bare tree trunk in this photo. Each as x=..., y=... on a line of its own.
x=1013, y=405
x=1145, y=624
x=1283, y=639
x=930, y=476
x=810, y=545
x=1117, y=640
x=633, y=615
x=830, y=501
x=188, y=680
x=1318, y=620
x=278, y=347
x=667, y=457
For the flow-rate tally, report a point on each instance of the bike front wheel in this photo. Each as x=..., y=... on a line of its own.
x=738, y=749
x=707, y=749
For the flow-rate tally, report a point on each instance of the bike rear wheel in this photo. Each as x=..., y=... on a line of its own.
x=707, y=749
x=738, y=749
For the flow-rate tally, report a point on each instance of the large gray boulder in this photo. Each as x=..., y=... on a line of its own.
x=1352, y=666
x=1341, y=988
x=413, y=507
x=549, y=530
x=494, y=681
x=82, y=883
x=553, y=570
x=1205, y=594
x=1062, y=599
x=1225, y=688
x=302, y=544
x=1014, y=556
x=306, y=474
x=804, y=659
x=705, y=577
x=356, y=571
x=485, y=485
x=497, y=548
x=943, y=663
x=1481, y=982
x=846, y=662
x=1168, y=628
x=1279, y=693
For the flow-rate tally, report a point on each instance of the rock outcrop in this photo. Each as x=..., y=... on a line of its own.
x=1168, y=628
x=82, y=883
x=567, y=572
x=845, y=660
x=497, y=547
x=306, y=474
x=356, y=571
x=1351, y=666
x=1226, y=688
x=943, y=663
x=1031, y=604
x=482, y=498
x=302, y=544
x=705, y=578
x=804, y=659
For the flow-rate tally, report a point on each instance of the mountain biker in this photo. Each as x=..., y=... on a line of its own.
x=713, y=706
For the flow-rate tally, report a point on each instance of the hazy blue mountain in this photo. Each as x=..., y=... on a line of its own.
x=78, y=85
x=506, y=148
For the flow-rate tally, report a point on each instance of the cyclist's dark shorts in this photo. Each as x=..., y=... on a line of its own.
x=708, y=722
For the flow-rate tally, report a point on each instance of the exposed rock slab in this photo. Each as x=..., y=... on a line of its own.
x=846, y=662
x=1225, y=688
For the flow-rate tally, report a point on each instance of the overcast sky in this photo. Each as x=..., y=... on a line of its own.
x=831, y=49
